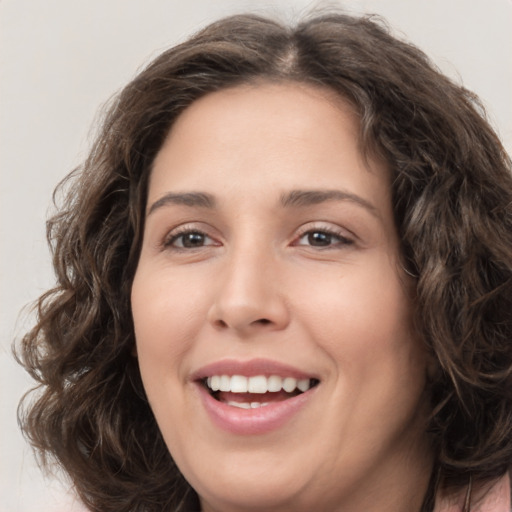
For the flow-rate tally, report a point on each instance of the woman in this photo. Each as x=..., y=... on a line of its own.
x=283, y=284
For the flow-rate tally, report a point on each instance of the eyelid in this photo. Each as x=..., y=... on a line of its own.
x=172, y=235
x=344, y=235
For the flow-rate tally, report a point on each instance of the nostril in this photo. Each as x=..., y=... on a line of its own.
x=222, y=324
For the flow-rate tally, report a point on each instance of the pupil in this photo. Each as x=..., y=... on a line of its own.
x=193, y=240
x=319, y=239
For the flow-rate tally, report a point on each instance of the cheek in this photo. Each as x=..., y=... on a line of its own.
x=362, y=318
x=378, y=360
x=165, y=323
x=166, y=315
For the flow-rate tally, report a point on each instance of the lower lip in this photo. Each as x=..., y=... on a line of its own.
x=256, y=421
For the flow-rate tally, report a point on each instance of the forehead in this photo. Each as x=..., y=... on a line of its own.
x=266, y=111
x=271, y=137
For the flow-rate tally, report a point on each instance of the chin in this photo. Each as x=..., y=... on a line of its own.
x=275, y=494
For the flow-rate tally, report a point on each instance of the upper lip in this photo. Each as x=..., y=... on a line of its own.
x=250, y=368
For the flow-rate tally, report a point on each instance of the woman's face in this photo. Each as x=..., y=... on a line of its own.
x=273, y=324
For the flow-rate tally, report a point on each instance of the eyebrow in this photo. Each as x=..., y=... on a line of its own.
x=292, y=199
x=192, y=199
x=301, y=198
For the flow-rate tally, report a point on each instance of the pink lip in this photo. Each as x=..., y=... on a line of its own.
x=257, y=421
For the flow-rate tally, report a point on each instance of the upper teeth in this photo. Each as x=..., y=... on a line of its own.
x=256, y=384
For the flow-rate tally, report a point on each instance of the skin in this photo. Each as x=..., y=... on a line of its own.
x=257, y=285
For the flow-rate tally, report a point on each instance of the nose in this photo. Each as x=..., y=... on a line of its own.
x=249, y=297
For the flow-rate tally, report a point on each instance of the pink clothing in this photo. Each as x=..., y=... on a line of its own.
x=494, y=499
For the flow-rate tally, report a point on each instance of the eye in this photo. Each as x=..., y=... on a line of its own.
x=323, y=238
x=189, y=239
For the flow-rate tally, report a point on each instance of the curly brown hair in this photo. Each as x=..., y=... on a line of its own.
x=452, y=199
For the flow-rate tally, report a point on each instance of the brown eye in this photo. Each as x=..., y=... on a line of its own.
x=193, y=239
x=322, y=238
x=319, y=239
x=189, y=240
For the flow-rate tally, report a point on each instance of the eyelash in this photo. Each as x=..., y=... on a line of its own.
x=175, y=235
x=180, y=233
x=342, y=239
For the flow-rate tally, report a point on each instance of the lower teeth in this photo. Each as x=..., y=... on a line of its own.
x=247, y=405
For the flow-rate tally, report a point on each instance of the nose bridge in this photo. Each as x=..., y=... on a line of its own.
x=247, y=294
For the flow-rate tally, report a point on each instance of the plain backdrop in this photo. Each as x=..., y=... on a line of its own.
x=60, y=60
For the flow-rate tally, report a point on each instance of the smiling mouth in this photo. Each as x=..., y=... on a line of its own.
x=256, y=391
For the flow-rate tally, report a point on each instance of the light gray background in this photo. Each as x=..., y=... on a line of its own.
x=61, y=59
